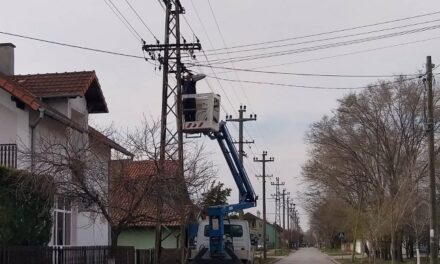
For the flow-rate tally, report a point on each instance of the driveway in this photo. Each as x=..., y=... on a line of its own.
x=306, y=256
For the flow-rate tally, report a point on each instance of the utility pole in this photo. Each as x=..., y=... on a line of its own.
x=275, y=196
x=288, y=221
x=277, y=185
x=284, y=206
x=241, y=119
x=288, y=226
x=263, y=160
x=433, y=237
x=169, y=56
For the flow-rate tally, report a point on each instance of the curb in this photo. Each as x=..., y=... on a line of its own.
x=334, y=260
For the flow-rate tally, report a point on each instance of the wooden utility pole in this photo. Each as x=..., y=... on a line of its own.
x=263, y=161
x=433, y=236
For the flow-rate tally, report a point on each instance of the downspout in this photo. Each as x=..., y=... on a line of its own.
x=33, y=126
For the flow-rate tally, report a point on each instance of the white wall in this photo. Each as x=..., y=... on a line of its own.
x=90, y=231
x=14, y=122
x=15, y=128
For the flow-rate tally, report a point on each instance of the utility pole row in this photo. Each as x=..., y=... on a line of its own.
x=277, y=185
x=264, y=160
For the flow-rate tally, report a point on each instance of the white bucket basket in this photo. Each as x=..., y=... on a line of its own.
x=205, y=117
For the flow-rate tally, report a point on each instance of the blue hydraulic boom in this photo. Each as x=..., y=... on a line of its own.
x=247, y=198
x=201, y=115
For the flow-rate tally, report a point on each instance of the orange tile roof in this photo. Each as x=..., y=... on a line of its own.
x=67, y=84
x=57, y=84
x=19, y=92
x=131, y=180
x=29, y=99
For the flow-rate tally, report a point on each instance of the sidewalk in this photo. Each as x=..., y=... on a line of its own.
x=271, y=256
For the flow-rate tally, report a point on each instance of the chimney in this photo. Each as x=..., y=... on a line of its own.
x=258, y=214
x=7, y=58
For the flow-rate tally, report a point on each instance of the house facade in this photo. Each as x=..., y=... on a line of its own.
x=38, y=106
x=273, y=231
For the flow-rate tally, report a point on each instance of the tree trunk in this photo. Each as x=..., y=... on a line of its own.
x=113, y=246
x=158, y=243
x=182, y=239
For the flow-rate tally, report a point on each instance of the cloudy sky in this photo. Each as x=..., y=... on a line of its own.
x=132, y=87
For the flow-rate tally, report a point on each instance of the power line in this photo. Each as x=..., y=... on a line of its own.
x=224, y=43
x=207, y=60
x=142, y=21
x=123, y=22
x=333, y=31
x=325, y=46
x=125, y=19
x=345, y=54
x=316, y=87
x=304, y=74
x=73, y=46
x=326, y=39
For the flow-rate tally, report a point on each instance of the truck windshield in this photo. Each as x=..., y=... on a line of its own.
x=230, y=230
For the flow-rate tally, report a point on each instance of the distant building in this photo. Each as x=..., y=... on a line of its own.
x=177, y=210
x=273, y=231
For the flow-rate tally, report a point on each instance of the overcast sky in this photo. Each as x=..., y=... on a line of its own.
x=132, y=87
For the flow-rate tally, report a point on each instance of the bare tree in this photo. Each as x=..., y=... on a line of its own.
x=172, y=188
x=371, y=152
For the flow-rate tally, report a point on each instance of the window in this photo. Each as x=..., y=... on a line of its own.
x=62, y=221
x=230, y=230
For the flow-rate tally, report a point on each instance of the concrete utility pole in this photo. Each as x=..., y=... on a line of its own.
x=263, y=161
x=292, y=210
x=433, y=236
x=284, y=206
x=169, y=56
x=288, y=208
x=277, y=185
x=241, y=121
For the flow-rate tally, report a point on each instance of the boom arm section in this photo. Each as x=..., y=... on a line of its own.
x=247, y=197
x=247, y=194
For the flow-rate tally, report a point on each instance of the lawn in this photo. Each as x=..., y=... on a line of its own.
x=366, y=261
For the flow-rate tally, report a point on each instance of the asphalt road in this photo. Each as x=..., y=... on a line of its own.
x=306, y=256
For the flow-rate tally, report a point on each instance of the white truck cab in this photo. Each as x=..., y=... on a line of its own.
x=236, y=234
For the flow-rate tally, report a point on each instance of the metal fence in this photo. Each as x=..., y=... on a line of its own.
x=168, y=256
x=8, y=155
x=66, y=255
x=83, y=255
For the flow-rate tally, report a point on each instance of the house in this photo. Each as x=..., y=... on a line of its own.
x=255, y=225
x=176, y=211
x=37, y=106
x=273, y=231
x=274, y=235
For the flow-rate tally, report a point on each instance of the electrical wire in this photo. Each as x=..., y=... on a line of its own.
x=320, y=47
x=325, y=39
x=343, y=54
x=227, y=50
x=73, y=46
x=136, y=36
x=333, y=31
x=316, y=87
x=304, y=74
x=125, y=19
x=142, y=21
